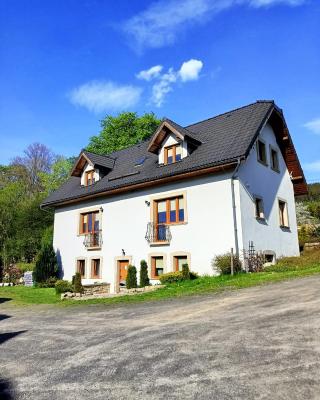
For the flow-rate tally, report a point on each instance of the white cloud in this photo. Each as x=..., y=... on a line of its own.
x=313, y=166
x=190, y=70
x=150, y=73
x=160, y=23
x=101, y=96
x=313, y=125
x=163, y=87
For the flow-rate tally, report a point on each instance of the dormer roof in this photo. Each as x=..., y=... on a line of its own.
x=95, y=160
x=165, y=128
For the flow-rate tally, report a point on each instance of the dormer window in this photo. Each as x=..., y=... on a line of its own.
x=172, y=154
x=89, y=178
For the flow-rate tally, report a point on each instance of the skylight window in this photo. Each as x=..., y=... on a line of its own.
x=140, y=160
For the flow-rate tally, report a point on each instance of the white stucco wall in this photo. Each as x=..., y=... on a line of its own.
x=260, y=180
x=209, y=229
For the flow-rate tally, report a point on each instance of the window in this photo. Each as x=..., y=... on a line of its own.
x=81, y=267
x=274, y=159
x=179, y=261
x=283, y=214
x=172, y=154
x=259, y=209
x=89, y=222
x=261, y=152
x=95, y=268
x=157, y=266
x=89, y=178
x=170, y=211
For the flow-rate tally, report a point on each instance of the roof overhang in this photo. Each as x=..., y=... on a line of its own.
x=81, y=161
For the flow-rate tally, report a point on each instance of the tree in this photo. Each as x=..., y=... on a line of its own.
x=185, y=271
x=59, y=173
x=78, y=288
x=131, y=280
x=126, y=129
x=144, y=279
x=37, y=158
x=46, y=264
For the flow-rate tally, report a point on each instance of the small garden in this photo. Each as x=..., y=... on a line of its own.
x=181, y=283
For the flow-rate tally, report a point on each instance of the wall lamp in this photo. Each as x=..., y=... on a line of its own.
x=147, y=203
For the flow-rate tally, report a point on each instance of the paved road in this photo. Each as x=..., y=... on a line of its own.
x=258, y=343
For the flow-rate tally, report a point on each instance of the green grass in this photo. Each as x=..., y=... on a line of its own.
x=21, y=295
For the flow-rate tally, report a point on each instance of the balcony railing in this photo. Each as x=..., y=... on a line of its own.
x=93, y=239
x=158, y=233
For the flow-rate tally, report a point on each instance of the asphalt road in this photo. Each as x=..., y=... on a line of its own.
x=258, y=343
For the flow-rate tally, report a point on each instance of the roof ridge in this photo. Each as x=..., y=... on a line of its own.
x=230, y=111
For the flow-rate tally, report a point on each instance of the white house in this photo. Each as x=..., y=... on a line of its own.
x=187, y=194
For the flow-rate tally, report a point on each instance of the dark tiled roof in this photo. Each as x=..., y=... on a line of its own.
x=99, y=160
x=224, y=139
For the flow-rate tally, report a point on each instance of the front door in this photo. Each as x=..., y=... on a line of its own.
x=123, y=269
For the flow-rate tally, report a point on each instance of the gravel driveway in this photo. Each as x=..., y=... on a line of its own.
x=258, y=343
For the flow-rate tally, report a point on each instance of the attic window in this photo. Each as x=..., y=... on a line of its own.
x=172, y=154
x=89, y=178
x=261, y=152
x=140, y=161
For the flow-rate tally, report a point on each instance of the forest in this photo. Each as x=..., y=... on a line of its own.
x=25, y=228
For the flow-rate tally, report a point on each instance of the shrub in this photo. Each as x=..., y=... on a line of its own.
x=222, y=264
x=49, y=283
x=24, y=267
x=11, y=273
x=171, y=277
x=46, y=264
x=193, y=275
x=131, y=280
x=78, y=288
x=185, y=271
x=144, y=279
x=62, y=286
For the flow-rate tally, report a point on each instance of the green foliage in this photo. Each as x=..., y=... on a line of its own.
x=46, y=264
x=63, y=286
x=308, y=259
x=24, y=267
x=49, y=283
x=185, y=271
x=78, y=288
x=60, y=171
x=131, y=280
x=222, y=264
x=124, y=130
x=144, y=278
x=11, y=274
x=178, y=276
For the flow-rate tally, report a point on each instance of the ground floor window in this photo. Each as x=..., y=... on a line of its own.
x=81, y=267
x=157, y=266
x=95, y=268
x=283, y=214
x=179, y=261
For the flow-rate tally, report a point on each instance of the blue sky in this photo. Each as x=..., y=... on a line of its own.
x=66, y=64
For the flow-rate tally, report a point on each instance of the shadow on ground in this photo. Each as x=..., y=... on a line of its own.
x=6, y=389
x=4, y=299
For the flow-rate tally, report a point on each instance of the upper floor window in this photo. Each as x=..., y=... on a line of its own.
x=274, y=159
x=261, y=152
x=89, y=178
x=172, y=154
x=283, y=214
x=259, y=209
x=170, y=211
x=89, y=222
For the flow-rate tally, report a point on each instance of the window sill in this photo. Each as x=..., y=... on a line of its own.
x=276, y=170
x=162, y=243
x=261, y=220
x=285, y=228
x=94, y=248
x=262, y=162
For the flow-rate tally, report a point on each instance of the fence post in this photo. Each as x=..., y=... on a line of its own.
x=231, y=260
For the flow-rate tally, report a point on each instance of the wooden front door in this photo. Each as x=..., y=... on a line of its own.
x=123, y=269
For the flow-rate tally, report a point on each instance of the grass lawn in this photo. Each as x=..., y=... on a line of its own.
x=20, y=295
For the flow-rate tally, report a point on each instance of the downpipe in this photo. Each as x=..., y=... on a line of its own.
x=234, y=209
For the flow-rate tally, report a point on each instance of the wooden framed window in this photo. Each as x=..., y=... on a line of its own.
x=169, y=211
x=261, y=152
x=157, y=266
x=274, y=159
x=81, y=267
x=283, y=214
x=96, y=268
x=172, y=154
x=259, y=209
x=89, y=178
x=89, y=222
x=179, y=261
